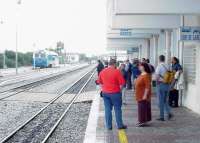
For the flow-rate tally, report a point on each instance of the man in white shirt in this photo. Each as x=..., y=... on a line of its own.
x=162, y=88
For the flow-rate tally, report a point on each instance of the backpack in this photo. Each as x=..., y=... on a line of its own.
x=168, y=77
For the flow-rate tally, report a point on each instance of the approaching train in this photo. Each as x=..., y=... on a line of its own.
x=45, y=59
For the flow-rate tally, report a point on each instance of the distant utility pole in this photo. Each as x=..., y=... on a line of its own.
x=16, y=53
x=4, y=54
x=34, y=45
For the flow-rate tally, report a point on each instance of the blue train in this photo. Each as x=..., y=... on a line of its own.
x=45, y=59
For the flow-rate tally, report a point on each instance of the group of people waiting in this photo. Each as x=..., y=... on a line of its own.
x=115, y=80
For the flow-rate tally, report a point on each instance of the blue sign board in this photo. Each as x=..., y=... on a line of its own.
x=190, y=33
x=125, y=32
x=133, y=50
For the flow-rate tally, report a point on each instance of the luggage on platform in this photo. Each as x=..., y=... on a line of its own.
x=173, y=98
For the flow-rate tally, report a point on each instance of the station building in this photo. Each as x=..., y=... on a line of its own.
x=72, y=57
x=154, y=27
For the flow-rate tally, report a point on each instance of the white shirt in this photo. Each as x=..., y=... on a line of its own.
x=161, y=69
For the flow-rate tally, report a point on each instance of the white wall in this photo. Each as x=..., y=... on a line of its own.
x=144, y=49
x=121, y=44
x=145, y=21
x=157, y=6
x=191, y=98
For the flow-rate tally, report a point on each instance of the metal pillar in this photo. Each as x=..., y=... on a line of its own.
x=16, y=52
x=19, y=2
x=4, y=56
x=140, y=52
x=4, y=59
x=168, y=44
x=155, y=49
x=180, y=55
x=181, y=43
x=148, y=48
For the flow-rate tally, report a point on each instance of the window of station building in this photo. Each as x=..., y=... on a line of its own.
x=189, y=63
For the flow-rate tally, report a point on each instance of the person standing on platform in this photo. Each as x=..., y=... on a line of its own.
x=122, y=69
x=106, y=64
x=135, y=69
x=143, y=60
x=143, y=95
x=128, y=69
x=150, y=66
x=163, y=88
x=112, y=81
x=176, y=84
x=100, y=67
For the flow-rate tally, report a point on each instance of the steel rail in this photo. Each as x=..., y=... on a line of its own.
x=40, y=83
x=41, y=110
x=66, y=110
x=43, y=79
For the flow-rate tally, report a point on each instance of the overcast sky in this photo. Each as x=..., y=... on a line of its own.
x=81, y=24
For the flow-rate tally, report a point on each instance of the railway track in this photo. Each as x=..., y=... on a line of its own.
x=6, y=81
x=40, y=126
x=25, y=87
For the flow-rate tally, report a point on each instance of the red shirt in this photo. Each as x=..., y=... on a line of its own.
x=111, y=79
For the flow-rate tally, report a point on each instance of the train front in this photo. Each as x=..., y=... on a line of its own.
x=40, y=59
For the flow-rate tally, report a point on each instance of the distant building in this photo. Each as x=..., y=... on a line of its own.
x=72, y=57
x=120, y=56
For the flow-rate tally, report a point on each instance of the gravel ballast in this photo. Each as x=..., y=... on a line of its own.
x=73, y=126
x=36, y=130
x=13, y=114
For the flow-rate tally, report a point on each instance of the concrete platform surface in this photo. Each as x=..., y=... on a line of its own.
x=183, y=128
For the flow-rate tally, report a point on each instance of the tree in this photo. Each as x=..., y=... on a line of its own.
x=59, y=47
x=24, y=59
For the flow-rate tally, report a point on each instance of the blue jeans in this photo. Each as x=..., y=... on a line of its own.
x=111, y=100
x=162, y=90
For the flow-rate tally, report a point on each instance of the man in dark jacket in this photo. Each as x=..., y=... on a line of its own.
x=128, y=69
x=100, y=66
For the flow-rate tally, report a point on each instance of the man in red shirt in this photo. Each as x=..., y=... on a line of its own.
x=111, y=81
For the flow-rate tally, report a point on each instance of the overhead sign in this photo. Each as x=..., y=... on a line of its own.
x=133, y=50
x=190, y=33
x=125, y=32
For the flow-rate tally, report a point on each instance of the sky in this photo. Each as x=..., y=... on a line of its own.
x=80, y=24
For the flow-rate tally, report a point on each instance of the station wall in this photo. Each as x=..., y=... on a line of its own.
x=191, y=96
x=156, y=6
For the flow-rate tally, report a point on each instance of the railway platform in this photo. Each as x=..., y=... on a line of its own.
x=183, y=128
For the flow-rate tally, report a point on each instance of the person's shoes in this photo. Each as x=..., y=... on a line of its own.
x=140, y=125
x=123, y=127
x=170, y=116
x=124, y=103
x=110, y=129
x=160, y=119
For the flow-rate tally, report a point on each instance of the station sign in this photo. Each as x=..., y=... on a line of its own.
x=133, y=50
x=125, y=32
x=190, y=33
